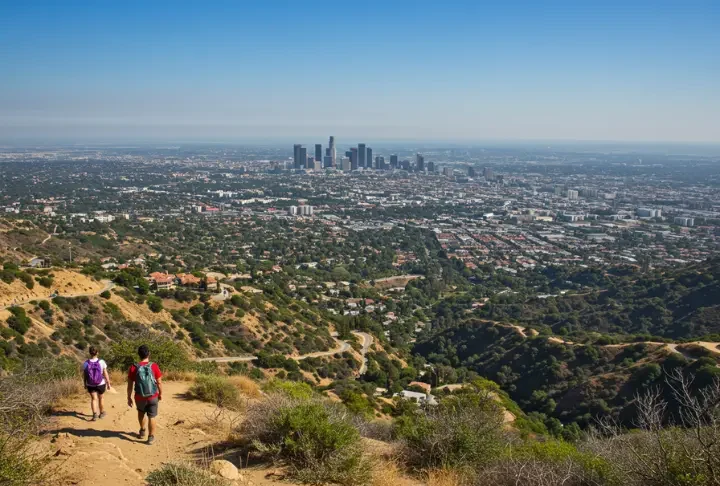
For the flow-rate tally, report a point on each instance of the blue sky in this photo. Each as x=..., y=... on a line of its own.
x=460, y=70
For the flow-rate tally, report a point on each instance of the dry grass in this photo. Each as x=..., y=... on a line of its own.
x=117, y=377
x=386, y=473
x=179, y=376
x=446, y=477
x=247, y=386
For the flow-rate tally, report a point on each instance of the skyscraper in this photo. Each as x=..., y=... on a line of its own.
x=380, y=163
x=362, y=153
x=393, y=161
x=431, y=166
x=302, y=151
x=419, y=162
x=369, y=158
x=488, y=173
x=354, y=158
x=331, y=147
x=318, y=151
x=296, y=155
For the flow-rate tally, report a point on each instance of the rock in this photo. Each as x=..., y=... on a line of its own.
x=224, y=469
x=179, y=422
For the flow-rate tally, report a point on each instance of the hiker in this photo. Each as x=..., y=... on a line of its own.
x=145, y=378
x=96, y=380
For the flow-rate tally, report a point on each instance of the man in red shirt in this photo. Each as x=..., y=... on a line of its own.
x=145, y=378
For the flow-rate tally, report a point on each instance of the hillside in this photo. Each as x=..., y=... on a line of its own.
x=262, y=330
x=563, y=380
x=679, y=303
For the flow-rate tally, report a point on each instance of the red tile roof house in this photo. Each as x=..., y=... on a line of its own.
x=163, y=281
x=188, y=280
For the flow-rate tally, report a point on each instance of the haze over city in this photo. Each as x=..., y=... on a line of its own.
x=461, y=70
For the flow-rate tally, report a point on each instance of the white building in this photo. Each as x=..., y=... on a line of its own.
x=682, y=221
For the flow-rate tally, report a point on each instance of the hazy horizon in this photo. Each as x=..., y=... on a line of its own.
x=636, y=71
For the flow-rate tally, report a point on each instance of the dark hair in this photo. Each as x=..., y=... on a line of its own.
x=93, y=351
x=143, y=351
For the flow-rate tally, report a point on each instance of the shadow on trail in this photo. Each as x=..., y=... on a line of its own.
x=72, y=413
x=102, y=434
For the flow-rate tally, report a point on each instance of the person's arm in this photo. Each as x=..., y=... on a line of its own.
x=107, y=378
x=159, y=382
x=130, y=388
x=158, y=379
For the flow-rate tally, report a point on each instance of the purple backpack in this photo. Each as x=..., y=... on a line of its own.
x=93, y=373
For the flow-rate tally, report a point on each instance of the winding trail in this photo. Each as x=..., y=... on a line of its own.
x=49, y=235
x=342, y=347
x=523, y=331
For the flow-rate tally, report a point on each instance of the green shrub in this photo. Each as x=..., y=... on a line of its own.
x=218, y=390
x=293, y=389
x=105, y=294
x=462, y=431
x=18, y=464
x=154, y=304
x=168, y=354
x=317, y=439
x=19, y=321
x=181, y=474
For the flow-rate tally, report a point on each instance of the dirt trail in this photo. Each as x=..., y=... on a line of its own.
x=108, y=452
x=523, y=331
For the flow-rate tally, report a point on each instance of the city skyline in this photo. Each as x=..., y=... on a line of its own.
x=616, y=71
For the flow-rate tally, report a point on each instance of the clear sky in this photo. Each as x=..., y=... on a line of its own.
x=394, y=69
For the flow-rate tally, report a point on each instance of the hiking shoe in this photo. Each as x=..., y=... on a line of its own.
x=141, y=434
x=150, y=440
x=95, y=417
x=102, y=415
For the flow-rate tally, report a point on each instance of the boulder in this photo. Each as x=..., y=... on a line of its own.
x=224, y=469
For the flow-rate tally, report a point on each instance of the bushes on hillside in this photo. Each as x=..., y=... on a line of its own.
x=461, y=431
x=181, y=474
x=218, y=390
x=163, y=351
x=25, y=398
x=316, y=438
x=19, y=321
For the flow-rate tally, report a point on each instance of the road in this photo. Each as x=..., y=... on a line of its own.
x=367, y=341
x=108, y=286
x=342, y=347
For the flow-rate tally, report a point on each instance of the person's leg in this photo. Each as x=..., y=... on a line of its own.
x=141, y=421
x=151, y=410
x=101, y=403
x=93, y=397
x=151, y=426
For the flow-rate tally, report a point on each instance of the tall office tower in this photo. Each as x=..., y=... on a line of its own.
x=368, y=158
x=406, y=164
x=471, y=171
x=331, y=147
x=488, y=173
x=354, y=158
x=362, y=153
x=318, y=151
x=393, y=161
x=310, y=163
x=380, y=163
x=296, y=155
x=302, y=151
x=327, y=162
x=345, y=164
x=419, y=162
x=431, y=166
